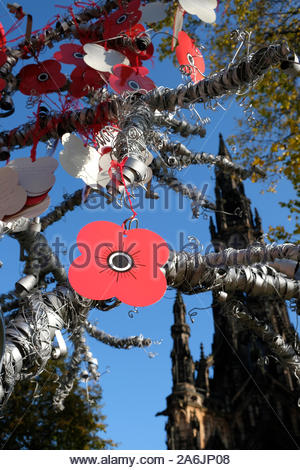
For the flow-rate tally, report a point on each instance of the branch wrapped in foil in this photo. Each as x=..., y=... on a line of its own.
x=178, y=126
x=193, y=273
x=191, y=191
x=225, y=82
x=245, y=73
x=283, y=351
x=181, y=156
x=119, y=343
x=258, y=253
x=29, y=336
x=131, y=144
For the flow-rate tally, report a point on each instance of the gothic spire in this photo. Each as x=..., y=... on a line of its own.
x=223, y=151
x=234, y=219
x=182, y=361
x=202, y=382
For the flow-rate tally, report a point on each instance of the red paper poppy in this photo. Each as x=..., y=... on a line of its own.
x=122, y=20
x=33, y=201
x=84, y=78
x=125, y=78
x=137, y=56
x=112, y=265
x=188, y=54
x=41, y=78
x=70, y=54
x=2, y=37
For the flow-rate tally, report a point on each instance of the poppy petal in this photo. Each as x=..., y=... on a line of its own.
x=122, y=19
x=70, y=54
x=187, y=54
x=139, y=289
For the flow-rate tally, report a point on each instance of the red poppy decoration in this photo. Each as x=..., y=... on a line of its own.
x=41, y=78
x=122, y=19
x=2, y=38
x=70, y=54
x=111, y=265
x=137, y=56
x=33, y=201
x=188, y=54
x=125, y=78
x=84, y=78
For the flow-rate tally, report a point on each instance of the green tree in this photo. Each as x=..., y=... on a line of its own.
x=272, y=139
x=32, y=423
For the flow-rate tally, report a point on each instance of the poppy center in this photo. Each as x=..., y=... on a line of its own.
x=42, y=77
x=77, y=55
x=120, y=261
x=133, y=84
x=121, y=19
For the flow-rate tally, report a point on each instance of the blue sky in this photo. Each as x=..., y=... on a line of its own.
x=136, y=387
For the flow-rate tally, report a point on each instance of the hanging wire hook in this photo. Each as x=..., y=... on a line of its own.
x=119, y=201
x=192, y=238
x=192, y=313
x=128, y=223
x=132, y=312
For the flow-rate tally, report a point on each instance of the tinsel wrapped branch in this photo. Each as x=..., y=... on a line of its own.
x=181, y=156
x=286, y=354
x=228, y=81
x=31, y=330
x=225, y=82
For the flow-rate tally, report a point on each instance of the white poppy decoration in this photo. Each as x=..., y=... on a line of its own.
x=37, y=177
x=204, y=9
x=12, y=195
x=79, y=161
x=102, y=59
x=177, y=27
x=32, y=211
x=104, y=166
x=109, y=136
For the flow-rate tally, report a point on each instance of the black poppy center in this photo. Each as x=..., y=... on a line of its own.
x=78, y=55
x=133, y=84
x=42, y=77
x=190, y=58
x=120, y=261
x=122, y=19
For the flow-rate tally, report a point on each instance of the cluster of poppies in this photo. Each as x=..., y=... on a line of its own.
x=96, y=64
x=111, y=264
x=109, y=62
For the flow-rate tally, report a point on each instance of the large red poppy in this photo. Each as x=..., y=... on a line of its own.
x=38, y=79
x=187, y=54
x=84, y=78
x=125, y=78
x=122, y=19
x=70, y=54
x=114, y=265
